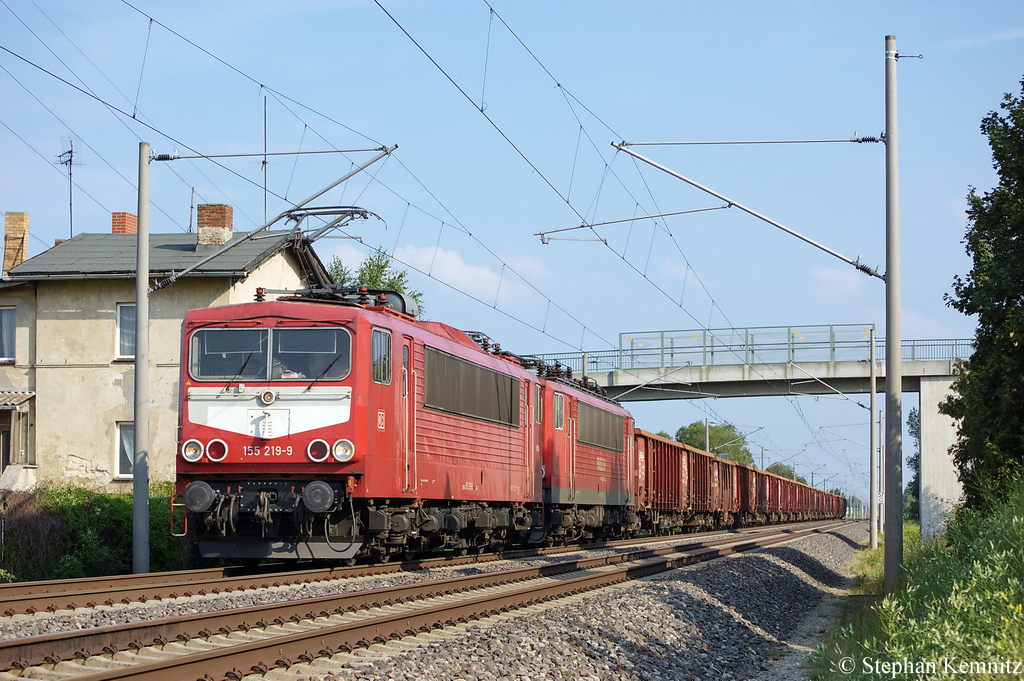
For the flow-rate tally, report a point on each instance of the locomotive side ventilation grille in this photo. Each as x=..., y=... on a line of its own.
x=600, y=428
x=460, y=387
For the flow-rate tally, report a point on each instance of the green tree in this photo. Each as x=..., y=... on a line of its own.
x=912, y=494
x=988, y=394
x=724, y=439
x=785, y=471
x=375, y=273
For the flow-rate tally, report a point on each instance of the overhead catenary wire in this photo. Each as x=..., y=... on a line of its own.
x=543, y=177
x=245, y=75
x=529, y=162
x=47, y=161
x=125, y=113
x=621, y=146
x=857, y=140
x=80, y=80
x=565, y=93
x=155, y=129
x=142, y=70
x=544, y=238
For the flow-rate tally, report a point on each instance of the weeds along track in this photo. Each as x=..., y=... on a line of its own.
x=231, y=644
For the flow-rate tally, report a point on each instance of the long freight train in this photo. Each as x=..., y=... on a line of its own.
x=331, y=424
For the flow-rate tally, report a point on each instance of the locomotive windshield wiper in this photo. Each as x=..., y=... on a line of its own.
x=324, y=372
x=240, y=370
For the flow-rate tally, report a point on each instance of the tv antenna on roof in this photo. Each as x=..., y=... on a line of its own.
x=67, y=158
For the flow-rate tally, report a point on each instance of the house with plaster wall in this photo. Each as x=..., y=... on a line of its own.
x=67, y=340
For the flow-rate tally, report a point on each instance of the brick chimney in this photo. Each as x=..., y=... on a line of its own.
x=124, y=223
x=15, y=240
x=214, y=221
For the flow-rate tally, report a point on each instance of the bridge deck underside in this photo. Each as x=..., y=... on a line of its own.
x=761, y=380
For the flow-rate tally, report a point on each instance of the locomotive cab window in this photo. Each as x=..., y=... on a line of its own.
x=224, y=354
x=310, y=354
x=558, y=406
x=538, y=403
x=294, y=354
x=381, y=359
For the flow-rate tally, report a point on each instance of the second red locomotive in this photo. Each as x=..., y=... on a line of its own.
x=332, y=424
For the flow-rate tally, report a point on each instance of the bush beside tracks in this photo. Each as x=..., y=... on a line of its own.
x=69, y=532
x=961, y=601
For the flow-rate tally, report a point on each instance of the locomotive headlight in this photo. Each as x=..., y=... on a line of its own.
x=344, y=451
x=192, y=451
x=216, y=450
x=318, y=451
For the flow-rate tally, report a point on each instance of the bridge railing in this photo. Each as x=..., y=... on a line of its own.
x=757, y=345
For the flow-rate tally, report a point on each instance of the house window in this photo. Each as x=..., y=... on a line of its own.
x=381, y=359
x=7, y=322
x=126, y=330
x=125, y=449
x=5, y=449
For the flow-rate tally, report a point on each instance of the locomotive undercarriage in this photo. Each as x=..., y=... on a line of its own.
x=660, y=522
x=321, y=520
x=567, y=524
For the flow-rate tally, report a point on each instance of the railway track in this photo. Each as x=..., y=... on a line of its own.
x=51, y=596
x=313, y=632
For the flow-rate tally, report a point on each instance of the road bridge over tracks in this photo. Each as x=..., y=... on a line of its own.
x=787, y=360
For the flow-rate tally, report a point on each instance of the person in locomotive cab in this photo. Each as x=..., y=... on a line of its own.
x=281, y=371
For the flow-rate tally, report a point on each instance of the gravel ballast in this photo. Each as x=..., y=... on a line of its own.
x=728, y=619
x=732, y=618
x=43, y=622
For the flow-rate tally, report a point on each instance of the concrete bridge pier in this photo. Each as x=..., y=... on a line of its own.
x=940, y=486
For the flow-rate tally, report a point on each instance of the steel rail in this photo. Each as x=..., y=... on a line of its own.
x=32, y=597
x=52, y=649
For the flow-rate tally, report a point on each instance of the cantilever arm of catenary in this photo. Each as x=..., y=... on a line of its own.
x=177, y=275
x=544, y=238
x=623, y=146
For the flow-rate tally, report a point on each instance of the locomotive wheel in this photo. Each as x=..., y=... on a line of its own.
x=348, y=562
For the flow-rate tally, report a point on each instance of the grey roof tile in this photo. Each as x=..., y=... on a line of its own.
x=10, y=399
x=113, y=255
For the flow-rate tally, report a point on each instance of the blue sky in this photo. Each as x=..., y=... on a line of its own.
x=461, y=200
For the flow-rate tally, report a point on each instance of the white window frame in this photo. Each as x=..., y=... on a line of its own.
x=120, y=330
x=380, y=361
x=119, y=450
x=558, y=409
x=8, y=334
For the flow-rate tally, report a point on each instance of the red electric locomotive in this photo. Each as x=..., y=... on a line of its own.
x=331, y=424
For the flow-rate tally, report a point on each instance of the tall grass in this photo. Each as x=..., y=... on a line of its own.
x=960, y=606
